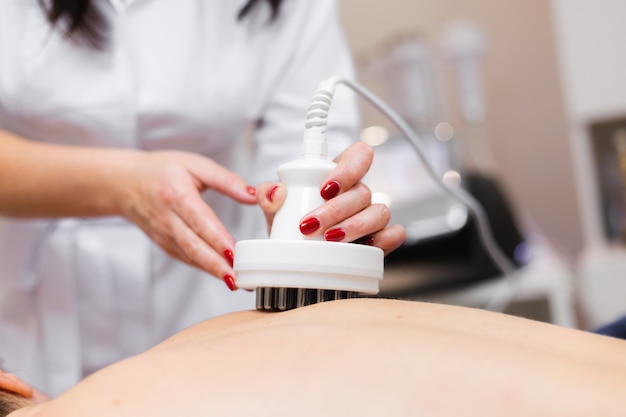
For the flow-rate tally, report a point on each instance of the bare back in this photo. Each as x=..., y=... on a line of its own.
x=361, y=357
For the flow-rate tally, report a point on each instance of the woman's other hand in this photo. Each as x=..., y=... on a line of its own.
x=158, y=191
x=163, y=199
x=348, y=214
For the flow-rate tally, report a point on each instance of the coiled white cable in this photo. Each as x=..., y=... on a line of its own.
x=316, y=121
x=317, y=116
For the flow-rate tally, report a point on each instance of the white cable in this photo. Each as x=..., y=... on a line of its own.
x=317, y=118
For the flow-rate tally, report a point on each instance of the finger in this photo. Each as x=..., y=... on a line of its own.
x=170, y=247
x=158, y=229
x=366, y=222
x=202, y=221
x=352, y=165
x=388, y=239
x=270, y=197
x=202, y=255
x=337, y=210
x=215, y=176
x=166, y=240
x=167, y=244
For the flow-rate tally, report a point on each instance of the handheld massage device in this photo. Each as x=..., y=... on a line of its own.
x=290, y=270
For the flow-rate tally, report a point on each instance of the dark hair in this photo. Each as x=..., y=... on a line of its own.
x=274, y=4
x=9, y=402
x=82, y=21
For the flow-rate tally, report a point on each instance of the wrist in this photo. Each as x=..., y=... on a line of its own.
x=119, y=183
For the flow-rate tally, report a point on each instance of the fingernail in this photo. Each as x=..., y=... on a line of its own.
x=335, y=235
x=230, y=282
x=330, y=190
x=251, y=190
x=270, y=193
x=309, y=225
x=365, y=240
x=230, y=257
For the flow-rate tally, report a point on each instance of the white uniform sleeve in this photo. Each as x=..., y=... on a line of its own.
x=318, y=52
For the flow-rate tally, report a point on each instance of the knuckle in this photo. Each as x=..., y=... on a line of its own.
x=384, y=213
x=367, y=150
x=160, y=225
x=354, y=170
x=401, y=233
x=364, y=194
x=334, y=210
x=360, y=227
x=194, y=224
x=167, y=193
x=191, y=249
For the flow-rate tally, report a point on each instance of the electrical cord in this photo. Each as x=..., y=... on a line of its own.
x=316, y=122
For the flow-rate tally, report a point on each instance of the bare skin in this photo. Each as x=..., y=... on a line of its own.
x=160, y=193
x=360, y=357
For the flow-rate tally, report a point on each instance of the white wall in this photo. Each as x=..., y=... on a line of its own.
x=591, y=44
x=590, y=37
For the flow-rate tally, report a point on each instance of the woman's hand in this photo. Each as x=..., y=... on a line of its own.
x=163, y=199
x=158, y=191
x=348, y=214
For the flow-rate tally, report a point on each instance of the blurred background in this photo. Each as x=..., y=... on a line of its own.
x=526, y=99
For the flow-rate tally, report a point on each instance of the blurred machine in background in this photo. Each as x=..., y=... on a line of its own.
x=443, y=258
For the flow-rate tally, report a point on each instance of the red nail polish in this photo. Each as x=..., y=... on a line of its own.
x=365, y=240
x=230, y=257
x=230, y=282
x=309, y=225
x=251, y=190
x=335, y=235
x=330, y=190
x=271, y=192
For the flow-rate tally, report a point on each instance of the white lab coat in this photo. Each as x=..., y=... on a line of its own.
x=77, y=294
